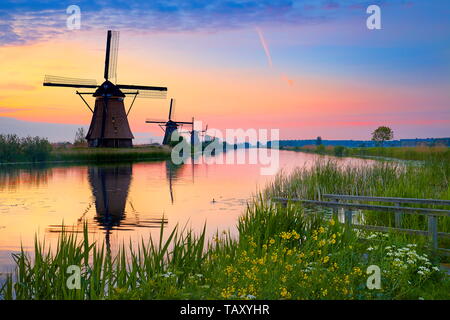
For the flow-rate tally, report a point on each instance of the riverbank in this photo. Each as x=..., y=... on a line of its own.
x=84, y=154
x=279, y=253
x=111, y=154
x=402, y=153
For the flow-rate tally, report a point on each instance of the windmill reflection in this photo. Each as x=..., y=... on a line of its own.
x=110, y=186
x=113, y=210
x=173, y=171
x=171, y=174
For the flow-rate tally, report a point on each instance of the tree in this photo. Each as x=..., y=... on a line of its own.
x=319, y=141
x=80, y=137
x=382, y=134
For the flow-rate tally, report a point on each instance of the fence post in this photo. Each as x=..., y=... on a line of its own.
x=348, y=217
x=336, y=211
x=432, y=231
x=398, y=217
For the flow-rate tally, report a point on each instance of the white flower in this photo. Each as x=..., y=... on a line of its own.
x=369, y=249
x=168, y=274
x=436, y=269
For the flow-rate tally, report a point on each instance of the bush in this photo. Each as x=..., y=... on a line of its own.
x=15, y=149
x=339, y=151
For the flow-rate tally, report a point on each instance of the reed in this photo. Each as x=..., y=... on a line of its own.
x=420, y=153
x=280, y=253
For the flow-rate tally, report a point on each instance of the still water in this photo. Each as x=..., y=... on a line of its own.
x=129, y=201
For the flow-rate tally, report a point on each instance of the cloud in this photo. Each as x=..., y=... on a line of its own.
x=265, y=46
x=23, y=21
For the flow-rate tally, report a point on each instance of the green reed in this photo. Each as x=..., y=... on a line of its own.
x=429, y=180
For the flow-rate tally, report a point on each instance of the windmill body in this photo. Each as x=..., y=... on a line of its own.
x=171, y=126
x=109, y=124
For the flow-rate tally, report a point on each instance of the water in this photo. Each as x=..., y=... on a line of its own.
x=127, y=201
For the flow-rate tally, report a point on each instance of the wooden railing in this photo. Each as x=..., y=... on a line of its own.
x=432, y=214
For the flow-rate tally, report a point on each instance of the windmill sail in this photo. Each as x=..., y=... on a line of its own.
x=56, y=81
x=112, y=51
x=144, y=91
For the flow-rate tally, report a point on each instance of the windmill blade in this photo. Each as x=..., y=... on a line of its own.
x=56, y=81
x=112, y=48
x=170, y=108
x=184, y=122
x=145, y=91
x=155, y=121
x=113, y=53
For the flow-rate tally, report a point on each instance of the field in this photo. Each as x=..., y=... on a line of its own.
x=281, y=252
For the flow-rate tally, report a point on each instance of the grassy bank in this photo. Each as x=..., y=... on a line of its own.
x=110, y=154
x=38, y=150
x=280, y=253
x=403, y=153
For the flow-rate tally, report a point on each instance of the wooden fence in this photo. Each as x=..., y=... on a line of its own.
x=336, y=202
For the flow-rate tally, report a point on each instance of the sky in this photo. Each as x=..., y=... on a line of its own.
x=308, y=68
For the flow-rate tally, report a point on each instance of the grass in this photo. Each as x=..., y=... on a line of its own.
x=404, y=153
x=281, y=253
x=429, y=180
x=111, y=154
x=37, y=150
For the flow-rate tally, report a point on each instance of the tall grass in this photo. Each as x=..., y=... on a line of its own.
x=421, y=153
x=281, y=253
x=29, y=149
x=429, y=180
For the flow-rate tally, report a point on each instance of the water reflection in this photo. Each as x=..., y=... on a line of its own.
x=127, y=202
x=110, y=185
x=13, y=177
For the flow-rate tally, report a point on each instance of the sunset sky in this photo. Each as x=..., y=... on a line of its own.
x=309, y=68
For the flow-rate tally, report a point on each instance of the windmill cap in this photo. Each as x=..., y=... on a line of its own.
x=107, y=88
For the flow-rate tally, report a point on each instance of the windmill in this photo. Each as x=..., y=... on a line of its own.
x=170, y=126
x=109, y=125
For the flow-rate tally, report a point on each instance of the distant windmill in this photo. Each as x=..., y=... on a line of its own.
x=170, y=126
x=109, y=125
x=198, y=136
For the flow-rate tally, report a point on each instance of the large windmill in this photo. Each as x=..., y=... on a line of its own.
x=170, y=125
x=109, y=125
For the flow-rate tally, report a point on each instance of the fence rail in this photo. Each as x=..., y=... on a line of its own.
x=387, y=199
x=432, y=214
